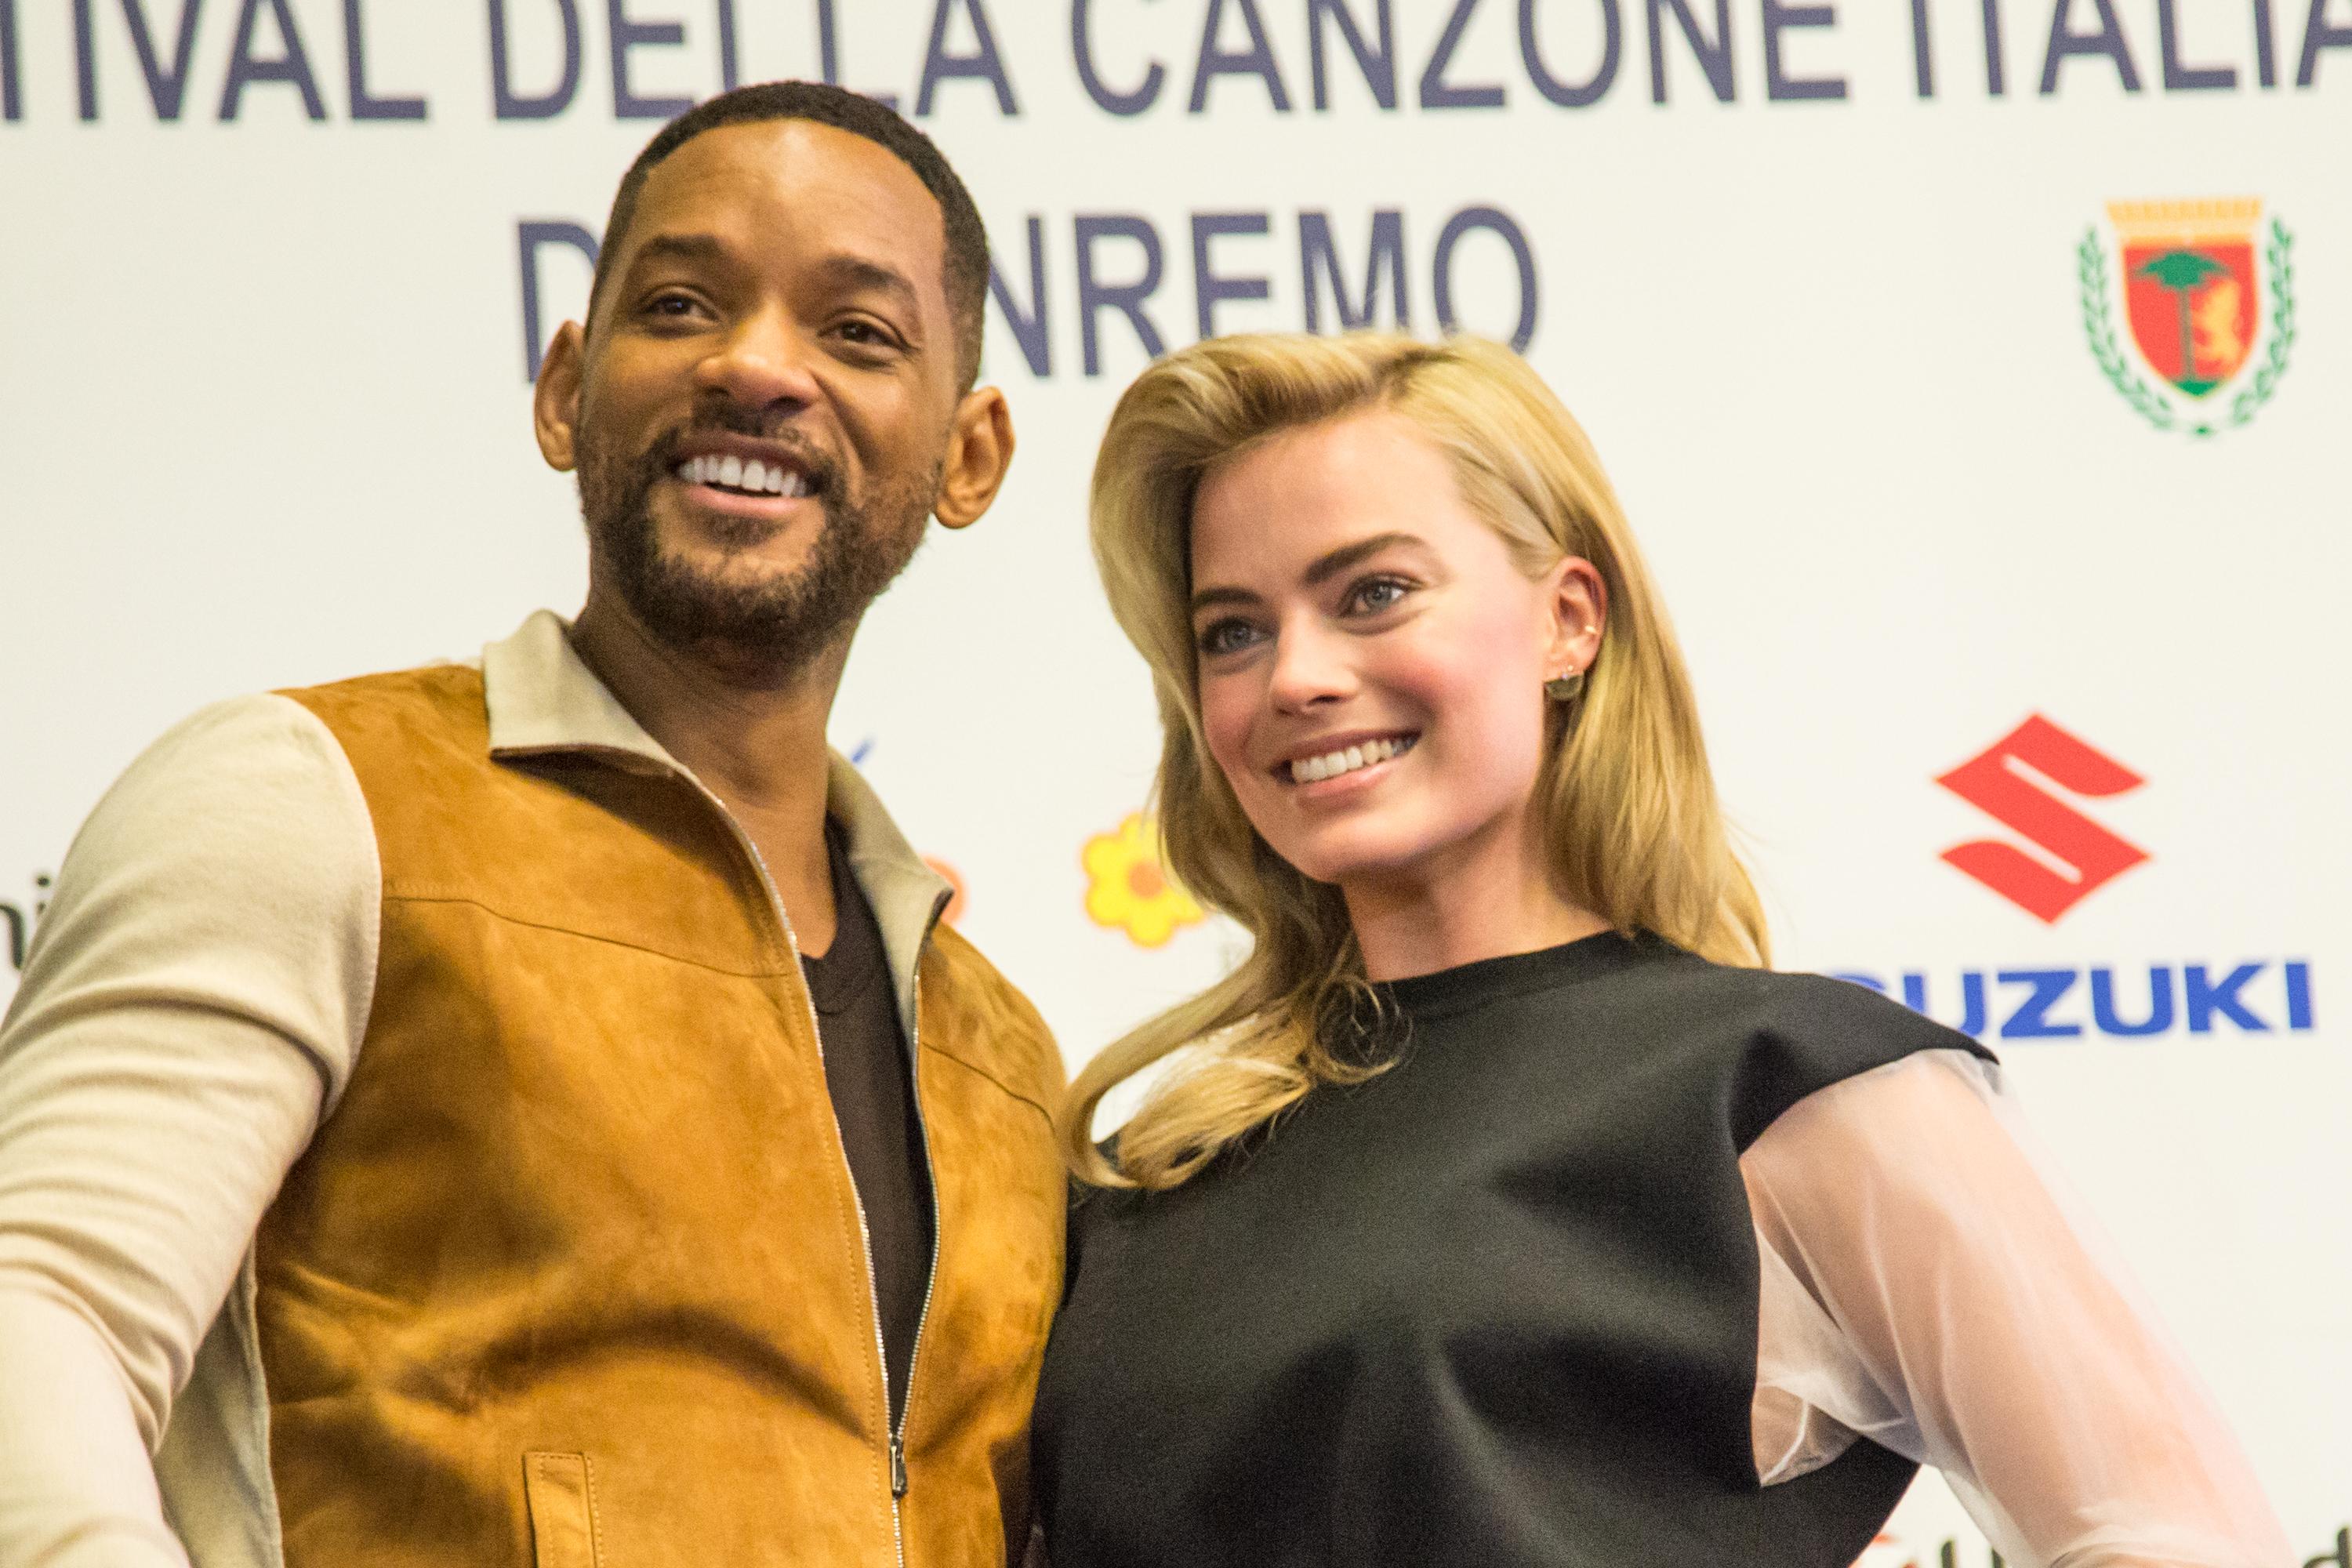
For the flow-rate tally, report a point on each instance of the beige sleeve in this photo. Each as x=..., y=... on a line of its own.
x=1929, y=1282
x=192, y=1003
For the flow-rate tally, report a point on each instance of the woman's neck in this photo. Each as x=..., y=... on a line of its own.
x=1471, y=901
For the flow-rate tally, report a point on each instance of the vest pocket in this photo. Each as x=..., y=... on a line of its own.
x=562, y=1503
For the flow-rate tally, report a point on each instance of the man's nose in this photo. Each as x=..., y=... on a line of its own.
x=764, y=360
x=1310, y=667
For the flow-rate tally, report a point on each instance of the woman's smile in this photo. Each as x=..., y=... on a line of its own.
x=1356, y=757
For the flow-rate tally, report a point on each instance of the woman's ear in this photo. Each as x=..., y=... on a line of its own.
x=979, y=451
x=1576, y=602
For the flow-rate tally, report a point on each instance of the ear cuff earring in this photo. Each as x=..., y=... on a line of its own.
x=1568, y=686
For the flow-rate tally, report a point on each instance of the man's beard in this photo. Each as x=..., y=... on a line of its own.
x=773, y=626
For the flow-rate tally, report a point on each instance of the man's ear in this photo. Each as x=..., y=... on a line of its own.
x=555, y=398
x=980, y=450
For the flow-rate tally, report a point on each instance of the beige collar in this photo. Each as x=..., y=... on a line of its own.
x=542, y=698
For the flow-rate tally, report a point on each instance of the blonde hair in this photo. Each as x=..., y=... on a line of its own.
x=1628, y=804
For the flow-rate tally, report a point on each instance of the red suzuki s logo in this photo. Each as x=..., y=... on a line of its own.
x=2018, y=782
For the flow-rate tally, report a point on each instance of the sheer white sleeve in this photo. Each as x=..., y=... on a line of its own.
x=1927, y=1283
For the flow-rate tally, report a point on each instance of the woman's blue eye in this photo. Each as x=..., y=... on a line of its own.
x=1225, y=636
x=1378, y=593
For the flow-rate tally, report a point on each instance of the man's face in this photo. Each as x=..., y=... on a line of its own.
x=766, y=393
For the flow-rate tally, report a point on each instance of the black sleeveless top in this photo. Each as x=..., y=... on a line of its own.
x=1496, y=1306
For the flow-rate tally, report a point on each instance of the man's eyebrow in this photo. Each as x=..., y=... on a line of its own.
x=855, y=272
x=844, y=272
x=703, y=248
x=1321, y=570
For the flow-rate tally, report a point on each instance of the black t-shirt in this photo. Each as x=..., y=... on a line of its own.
x=867, y=1073
x=1495, y=1306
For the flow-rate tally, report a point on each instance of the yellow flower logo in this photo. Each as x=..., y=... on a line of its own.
x=1129, y=886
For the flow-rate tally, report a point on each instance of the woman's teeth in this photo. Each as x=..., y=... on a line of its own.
x=1332, y=764
x=754, y=478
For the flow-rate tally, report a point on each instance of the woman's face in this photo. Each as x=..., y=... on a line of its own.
x=1371, y=660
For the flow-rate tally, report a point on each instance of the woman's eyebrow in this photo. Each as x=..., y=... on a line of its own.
x=1331, y=563
x=1207, y=597
x=1323, y=568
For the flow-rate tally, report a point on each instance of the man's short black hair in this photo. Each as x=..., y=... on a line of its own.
x=967, y=239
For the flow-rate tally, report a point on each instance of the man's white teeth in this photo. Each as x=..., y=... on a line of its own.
x=1332, y=764
x=754, y=478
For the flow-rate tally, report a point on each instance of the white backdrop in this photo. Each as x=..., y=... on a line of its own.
x=1829, y=297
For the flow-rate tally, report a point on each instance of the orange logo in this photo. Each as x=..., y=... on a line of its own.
x=957, y=898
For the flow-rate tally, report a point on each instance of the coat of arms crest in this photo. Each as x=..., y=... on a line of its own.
x=2209, y=298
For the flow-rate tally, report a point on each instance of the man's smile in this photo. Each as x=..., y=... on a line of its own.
x=737, y=477
x=743, y=477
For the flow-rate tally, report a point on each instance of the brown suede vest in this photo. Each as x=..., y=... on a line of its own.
x=572, y=1274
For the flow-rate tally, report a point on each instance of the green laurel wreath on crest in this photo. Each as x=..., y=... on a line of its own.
x=2278, y=262
x=2099, y=331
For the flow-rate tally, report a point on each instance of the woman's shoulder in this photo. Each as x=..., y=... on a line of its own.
x=1793, y=1000
x=1803, y=1000
x=1793, y=1033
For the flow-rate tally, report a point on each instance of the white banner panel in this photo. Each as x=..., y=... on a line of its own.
x=1967, y=367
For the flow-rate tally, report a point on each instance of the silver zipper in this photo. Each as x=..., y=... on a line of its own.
x=931, y=1175
x=895, y=1444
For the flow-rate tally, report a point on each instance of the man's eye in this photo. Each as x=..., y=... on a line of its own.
x=866, y=334
x=1225, y=637
x=672, y=305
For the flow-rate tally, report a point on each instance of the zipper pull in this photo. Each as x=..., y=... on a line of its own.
x=898, y=1467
